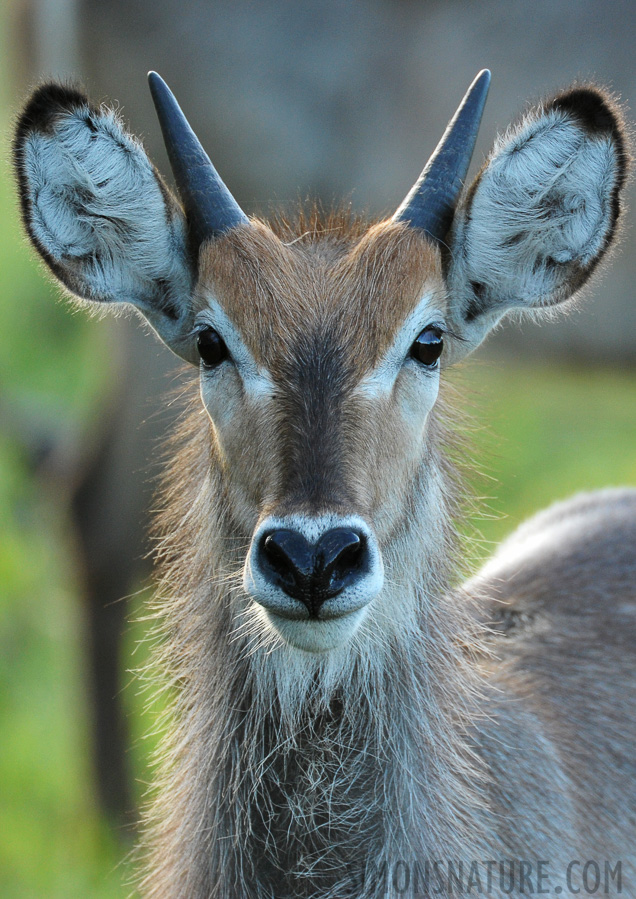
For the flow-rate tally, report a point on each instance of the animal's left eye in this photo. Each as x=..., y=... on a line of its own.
x=211, y=347
x=427, y=346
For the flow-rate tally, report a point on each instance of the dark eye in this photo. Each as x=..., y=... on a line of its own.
x=428, y=346
x=211, y=347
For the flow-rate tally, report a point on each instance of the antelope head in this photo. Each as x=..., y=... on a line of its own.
x=320, y=355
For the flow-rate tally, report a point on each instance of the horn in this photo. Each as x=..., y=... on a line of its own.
x=210, y=207
x=430, y=205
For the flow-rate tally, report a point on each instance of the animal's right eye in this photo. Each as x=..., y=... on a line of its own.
x=211, y=347
x=428, y=346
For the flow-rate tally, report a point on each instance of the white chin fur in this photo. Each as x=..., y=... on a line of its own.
x=316, y=636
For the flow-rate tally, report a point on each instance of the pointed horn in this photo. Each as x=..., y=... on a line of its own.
x=430, y=205
x=210, y=207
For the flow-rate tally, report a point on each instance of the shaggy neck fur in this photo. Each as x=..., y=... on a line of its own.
x=292, y=774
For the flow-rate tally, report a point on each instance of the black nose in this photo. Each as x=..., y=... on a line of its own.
x=314, y=572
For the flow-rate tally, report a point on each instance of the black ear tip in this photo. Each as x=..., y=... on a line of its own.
x=42, y=110
x=46, y=103
x=594, y=109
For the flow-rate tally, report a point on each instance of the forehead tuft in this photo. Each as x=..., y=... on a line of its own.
x=312, y=226
x=354, y=285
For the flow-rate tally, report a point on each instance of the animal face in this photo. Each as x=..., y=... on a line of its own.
x=320, y=364
x=320, y=350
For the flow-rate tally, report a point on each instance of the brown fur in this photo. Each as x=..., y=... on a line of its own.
x=295, y=301
x=278, y=288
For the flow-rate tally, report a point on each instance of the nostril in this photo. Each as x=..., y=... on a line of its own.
x=337, y=543
x=289, y=558
x=350, y=559
x=340, y=558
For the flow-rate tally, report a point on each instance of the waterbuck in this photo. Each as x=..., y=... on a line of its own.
x=349, y=722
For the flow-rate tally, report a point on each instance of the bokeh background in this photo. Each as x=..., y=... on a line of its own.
x=322, y=98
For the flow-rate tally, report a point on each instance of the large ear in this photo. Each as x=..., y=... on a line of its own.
x=540, y=215
x=99, y=214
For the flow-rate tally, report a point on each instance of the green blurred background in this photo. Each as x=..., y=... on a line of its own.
x=550, y=414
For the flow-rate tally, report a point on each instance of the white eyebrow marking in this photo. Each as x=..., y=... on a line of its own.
x=256, y=379
x=382, y=378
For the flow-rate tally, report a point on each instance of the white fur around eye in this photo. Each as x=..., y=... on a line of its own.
x=381, y=380
x=256, y=380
